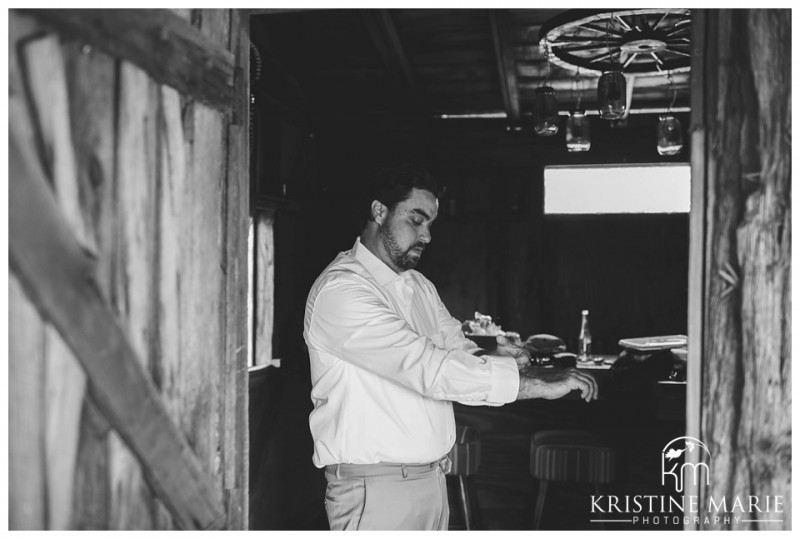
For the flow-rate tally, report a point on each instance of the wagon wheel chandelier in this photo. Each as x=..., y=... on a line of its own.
x=634, y=41
x=612, y=44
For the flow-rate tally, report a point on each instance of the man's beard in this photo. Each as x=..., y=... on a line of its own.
x=404, y=260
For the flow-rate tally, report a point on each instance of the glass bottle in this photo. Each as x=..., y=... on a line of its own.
x=545, y=111
x=584, y=338
x=670, y=135
x=612, y=95
x=578, y=137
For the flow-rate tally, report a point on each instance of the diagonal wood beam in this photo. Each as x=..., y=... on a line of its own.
x=58, y=276
x=384, y=34
x=506, y=64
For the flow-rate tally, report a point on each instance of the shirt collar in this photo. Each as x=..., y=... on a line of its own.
x=377, y=267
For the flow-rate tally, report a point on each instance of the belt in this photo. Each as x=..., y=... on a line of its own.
x=387, y=468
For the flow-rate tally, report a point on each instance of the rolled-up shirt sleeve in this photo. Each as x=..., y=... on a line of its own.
x=351, y=322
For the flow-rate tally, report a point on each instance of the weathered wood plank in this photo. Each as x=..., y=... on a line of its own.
x=65, y=386
x=202, y=278
x=215, y=25
x=235, y=387
x=183, y=13
x=136, y=179
x=722, y=346
x=130, y=497
x=158, y=41
x=506, y=64
x=264, y=283
x=92, y=490
x=57, y=275
x=91, y=82
x=27, y=508
x=172, y=230
x=764, y=255
x=746, y=370
x=64, y=380
x=136, y=268
x=46, y=82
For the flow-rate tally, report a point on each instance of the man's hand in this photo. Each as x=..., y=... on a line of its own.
x=507, y=347
x=551, y=384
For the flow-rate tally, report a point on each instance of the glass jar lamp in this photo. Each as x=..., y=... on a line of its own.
x=612, y=95
x=670, y=135
x=578, y=134
x=545, y=111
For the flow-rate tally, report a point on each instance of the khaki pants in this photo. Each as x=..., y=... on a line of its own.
x=387, y=497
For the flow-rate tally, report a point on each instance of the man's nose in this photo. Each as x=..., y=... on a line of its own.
x=425, y=235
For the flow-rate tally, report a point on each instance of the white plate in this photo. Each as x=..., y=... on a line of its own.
x=663, y=342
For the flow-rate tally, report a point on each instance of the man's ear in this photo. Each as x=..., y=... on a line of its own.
x=379, y=212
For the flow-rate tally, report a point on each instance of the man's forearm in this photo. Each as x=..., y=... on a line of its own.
x=528, y=388
x=536, y=383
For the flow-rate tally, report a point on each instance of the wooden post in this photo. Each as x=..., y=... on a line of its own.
x=764, y=256
x=746, y=420
x=235, y=334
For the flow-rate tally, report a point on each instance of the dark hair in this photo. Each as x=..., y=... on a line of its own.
x=392, y=185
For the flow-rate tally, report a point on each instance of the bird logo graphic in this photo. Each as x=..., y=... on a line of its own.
x=674, y=453
x=694, y=467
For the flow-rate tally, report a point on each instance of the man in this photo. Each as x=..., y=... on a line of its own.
x=387, y=360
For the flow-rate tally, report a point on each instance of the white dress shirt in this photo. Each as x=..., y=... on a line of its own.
x=386, y=360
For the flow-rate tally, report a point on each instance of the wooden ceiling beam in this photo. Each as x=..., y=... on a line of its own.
x=506, y=64
x=384, y=34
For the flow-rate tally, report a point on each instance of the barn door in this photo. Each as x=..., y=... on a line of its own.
x=128, y=207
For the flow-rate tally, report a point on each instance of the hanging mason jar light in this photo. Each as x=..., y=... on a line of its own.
x=545, y=106
x=670, y=132
x=612, y=95
x=578, y=136
x=545, y=111
x=670, y=135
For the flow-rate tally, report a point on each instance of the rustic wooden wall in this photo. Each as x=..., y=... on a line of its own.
x=746, y=353
x=149, y=170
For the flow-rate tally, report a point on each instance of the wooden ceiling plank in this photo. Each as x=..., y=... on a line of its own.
x=384, y=34
x=506, y=64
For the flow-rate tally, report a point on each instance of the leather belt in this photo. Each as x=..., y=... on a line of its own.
x=387, y=468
